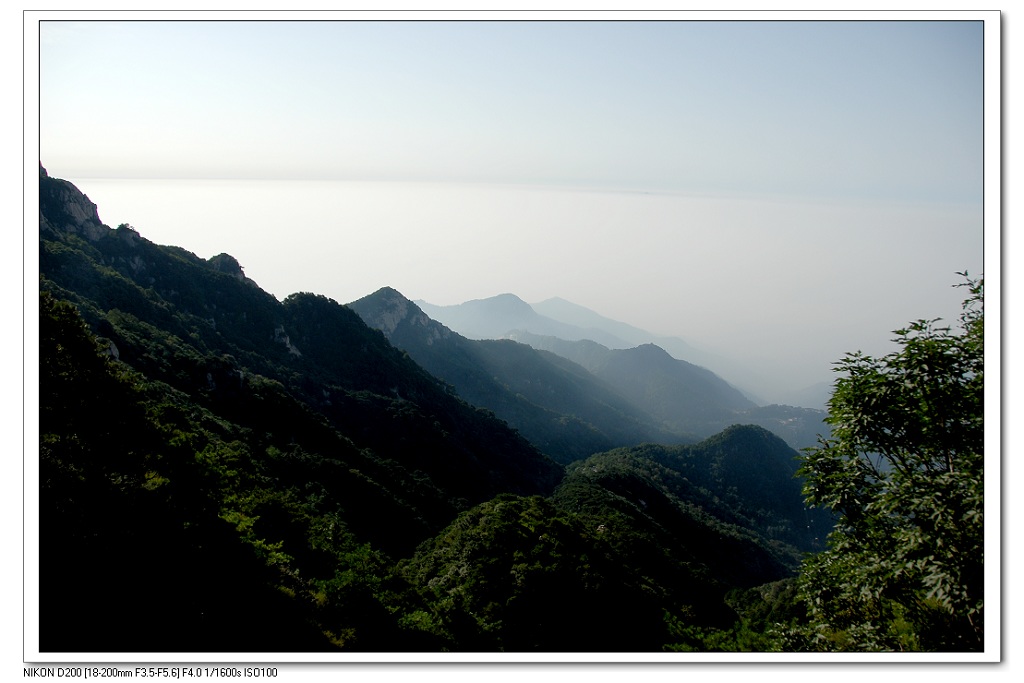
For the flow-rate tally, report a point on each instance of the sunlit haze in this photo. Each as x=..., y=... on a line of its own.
x=778, y=192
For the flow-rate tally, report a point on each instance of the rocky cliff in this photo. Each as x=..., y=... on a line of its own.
x=62, y=206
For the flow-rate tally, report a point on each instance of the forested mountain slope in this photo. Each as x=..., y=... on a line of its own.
x=203, y=327
x=283, y=478
x=270, y=420
x=654, y=537
x=630, y=336
x=560, y=407
x=680, y=395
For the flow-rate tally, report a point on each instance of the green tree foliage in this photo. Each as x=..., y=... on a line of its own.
x=210, y=535
x=221, y=471
x=124, y=517
x=760, y=611
x=519, y=574
x=904, y=472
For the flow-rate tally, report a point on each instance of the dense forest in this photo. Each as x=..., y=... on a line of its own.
x=220, y=471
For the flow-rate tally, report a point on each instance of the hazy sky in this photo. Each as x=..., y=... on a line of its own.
x=839, y=109
x=781, y=190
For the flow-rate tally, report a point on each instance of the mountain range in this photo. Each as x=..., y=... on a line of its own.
x=680, y=395
x=500, y=316
x=563, y=409
x=284, y=476
x=494, y=317
x=569, y=397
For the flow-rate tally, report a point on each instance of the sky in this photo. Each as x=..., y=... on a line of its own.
x=888, y=110
x=781, y=192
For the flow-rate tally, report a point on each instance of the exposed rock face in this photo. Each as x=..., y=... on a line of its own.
x=281, y=338
x=64, y=208
x=393, y=310
x=73, y=211
x=387, y=310
x=229, y=265
x=110, y=349
x=226, y=263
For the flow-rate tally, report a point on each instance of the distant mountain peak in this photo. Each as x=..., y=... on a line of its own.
x=561, y=305
x=505, y=303
x=650, y=353
x=651, y=347
x=389, y=292
x=387, y=309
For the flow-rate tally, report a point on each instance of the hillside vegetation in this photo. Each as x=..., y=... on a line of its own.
x=221, y=471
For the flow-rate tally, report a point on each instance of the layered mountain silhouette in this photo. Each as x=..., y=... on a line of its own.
x=496, y=317
x=568, y=412
x=136, y=290
x=567, y=312
x=680, y=395
x=286, y=477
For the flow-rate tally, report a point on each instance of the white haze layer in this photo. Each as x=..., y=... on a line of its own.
x=780, y=287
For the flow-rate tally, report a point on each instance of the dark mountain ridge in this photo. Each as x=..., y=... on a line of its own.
x=495, y=317
x=685, y=397
x=319, y=350
x=289, y=480
x=642, y=536
x=563, y=409
x=315, y=411
x=568, y=312
x=682, y=396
